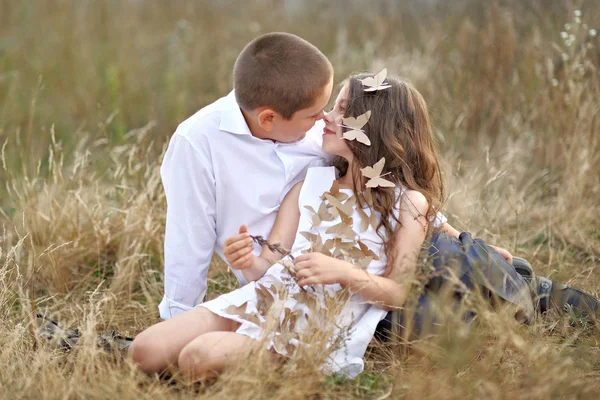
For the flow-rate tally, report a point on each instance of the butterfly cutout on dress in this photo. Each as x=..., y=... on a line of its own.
x=376, y=178
x=316, y=242
x=336, y=205
x=335, y=192
x=322, y=215
x=355, y=125
x=376, y=83
x=344, y=228
x=265, y=299
x=240, y=311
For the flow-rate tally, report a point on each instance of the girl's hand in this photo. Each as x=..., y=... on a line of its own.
x=313, y=268
x=237, y=249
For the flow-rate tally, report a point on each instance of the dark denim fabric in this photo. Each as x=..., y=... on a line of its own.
x=460, y=265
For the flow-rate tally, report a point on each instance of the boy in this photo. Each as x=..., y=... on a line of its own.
x=236, y=159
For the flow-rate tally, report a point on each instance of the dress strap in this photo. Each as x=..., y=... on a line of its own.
x=318, y=181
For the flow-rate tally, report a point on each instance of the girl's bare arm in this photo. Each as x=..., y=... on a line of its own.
x=391, y=292
x=283, y=232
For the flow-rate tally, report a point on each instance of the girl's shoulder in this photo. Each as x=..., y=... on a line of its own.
x=413, y=200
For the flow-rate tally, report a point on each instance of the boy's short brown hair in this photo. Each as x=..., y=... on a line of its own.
x=282, y=71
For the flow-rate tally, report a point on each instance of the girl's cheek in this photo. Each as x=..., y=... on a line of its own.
x=338, y=127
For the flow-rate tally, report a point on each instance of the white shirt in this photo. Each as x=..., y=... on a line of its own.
x=217, y=176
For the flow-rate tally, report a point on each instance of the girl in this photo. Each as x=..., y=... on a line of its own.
x=354, y=243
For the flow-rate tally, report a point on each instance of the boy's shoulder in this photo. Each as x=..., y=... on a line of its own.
x=208, y=120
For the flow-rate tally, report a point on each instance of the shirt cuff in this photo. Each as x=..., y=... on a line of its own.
x=439, y=220
x=169, y=308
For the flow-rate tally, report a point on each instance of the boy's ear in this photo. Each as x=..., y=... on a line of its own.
x=266, y=118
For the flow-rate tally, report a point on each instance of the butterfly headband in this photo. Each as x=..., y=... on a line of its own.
x=354, y=125
x=354, y=131
x=377, y=82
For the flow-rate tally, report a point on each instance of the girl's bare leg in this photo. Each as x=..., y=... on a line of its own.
x=158, y=347
x=209, y=354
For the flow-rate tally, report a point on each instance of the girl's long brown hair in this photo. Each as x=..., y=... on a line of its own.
x=399, y=130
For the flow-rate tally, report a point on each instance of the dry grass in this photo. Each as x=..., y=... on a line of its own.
x=82, y=207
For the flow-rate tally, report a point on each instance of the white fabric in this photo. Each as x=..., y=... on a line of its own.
x=217, y=176
x=362, y=317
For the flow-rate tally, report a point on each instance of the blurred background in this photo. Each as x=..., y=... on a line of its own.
x=90, y=92
x=481, y=65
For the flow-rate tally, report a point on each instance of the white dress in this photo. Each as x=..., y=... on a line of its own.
x=277, y=297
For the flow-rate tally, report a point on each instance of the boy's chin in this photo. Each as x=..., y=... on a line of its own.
x=290, y=139
x=300, y=137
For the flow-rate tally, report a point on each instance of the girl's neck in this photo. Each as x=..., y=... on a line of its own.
x=346, y=181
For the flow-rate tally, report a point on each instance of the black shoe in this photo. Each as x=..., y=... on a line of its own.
x=566, y=299
x=557, y=296
x=524, y=268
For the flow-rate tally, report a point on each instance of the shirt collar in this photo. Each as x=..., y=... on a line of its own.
x=232, y=119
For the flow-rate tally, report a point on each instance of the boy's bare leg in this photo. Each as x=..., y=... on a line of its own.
x=209, y=354
x=158, y=347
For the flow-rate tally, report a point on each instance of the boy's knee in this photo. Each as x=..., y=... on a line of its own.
x=143, y=353
x=137, y=350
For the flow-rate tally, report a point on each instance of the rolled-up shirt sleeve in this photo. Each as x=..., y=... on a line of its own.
x=190, y=235
x=439, y=219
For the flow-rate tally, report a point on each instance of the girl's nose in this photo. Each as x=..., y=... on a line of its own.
x=327, y=116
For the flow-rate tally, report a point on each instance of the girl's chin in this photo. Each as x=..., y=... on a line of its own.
x=327, y=149
x=330, y=150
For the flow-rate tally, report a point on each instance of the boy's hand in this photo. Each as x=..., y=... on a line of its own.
x=313, y=268
x=237, y=249
x=504, y=253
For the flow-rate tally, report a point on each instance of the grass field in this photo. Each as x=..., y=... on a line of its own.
x=90, y=92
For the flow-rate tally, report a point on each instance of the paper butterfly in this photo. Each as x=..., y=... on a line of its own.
x=335, y=192
x=355, y=125
x=366, y=220
x=376, y=83
x=374, y=173
x=344, y=228
x=319, y=216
